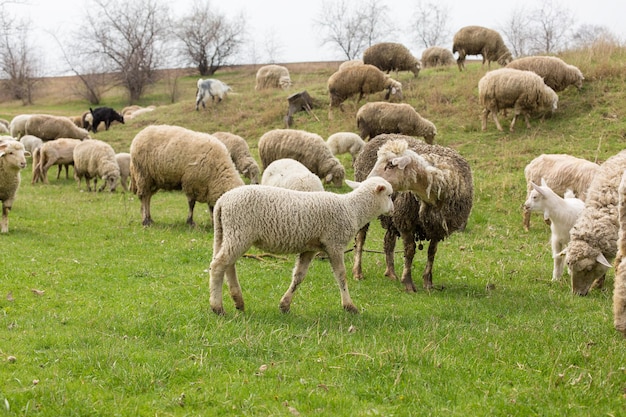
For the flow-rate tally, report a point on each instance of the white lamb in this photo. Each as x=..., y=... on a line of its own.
x=345, y=142
x=291, y=174
x=562, y=213
x=12, y=160
x=286, y=221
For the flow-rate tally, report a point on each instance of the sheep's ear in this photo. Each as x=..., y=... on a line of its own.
x=352, y=184
x=561, y=254
x=328, y=178
x=26, y=153
x=401, y=161
x=603, y=261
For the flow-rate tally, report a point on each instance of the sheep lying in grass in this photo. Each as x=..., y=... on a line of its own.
x=478, y=40
x=562, y=213
x=391, y=56
x=54, y=152
x=438, y=204
x=379, y=117
x=308, y=148
x=619, y=290
x=240, y=154
x=593, y=239
x=556, y=73
x=345, y=142
x=12, y=161
x=291, y=174
x=522, y=91
x=272, y=76
x=560, y=172
x=279, y=220
x=96, y=159
x=173, y=158
x=48, y=127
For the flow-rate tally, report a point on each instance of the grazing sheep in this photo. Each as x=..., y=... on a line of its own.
x=5, y=123
x=436, y=56
x=619, y=290
x=523, y=91
x=308, y=148
x=31, y=142
x=562, y=213
x=54, y=152
x=272, y=76
x=96, y=159
x=173, y=158
x=210, y=88
x=291, y=174
x=87, y=121
x=48, y=127
x=556, y=73
x=350, y=63
x=361, y=80
x=4, y=129
x=12, y=160
x=240, y=154
x=17, y=126
x=106, y=115
x=138, y=112
x=378, y=117
x=593, y=239
x=123, y=162
x=345, y=142
x=286, y=221
x=478, y=40
x=561, y=172
x=391, y=56
x=438, y=204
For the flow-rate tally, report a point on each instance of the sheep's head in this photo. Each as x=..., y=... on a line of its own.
x=394, y=89
x=585, y=264
x=336, y=174
x=505, y=58
x=13, y=154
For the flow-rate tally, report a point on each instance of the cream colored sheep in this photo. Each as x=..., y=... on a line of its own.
x=48, y=127
x=54, y=152
x=392, y=56
x=240, y=154
x=556, y=73
x=350, y=63
x=17, y=126
x=96, y=159
x=291, y=174
x=345, y=142
x=478, y=40
x=272, y=76
x=361, y=80
x=123, y=162
x=12, y=161
x=619, y=290
x=378, y=117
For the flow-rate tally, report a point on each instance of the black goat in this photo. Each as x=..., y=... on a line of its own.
x=106, y=115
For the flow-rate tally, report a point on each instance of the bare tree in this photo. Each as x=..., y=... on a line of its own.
x=431, y=23
x=518, y=31
x=129, y=38
x=209, y=39
x=586, y=35
x=352, y=28
x=552, y=28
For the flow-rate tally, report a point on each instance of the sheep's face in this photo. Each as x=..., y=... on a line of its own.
x=13, y=154
x=585, y=265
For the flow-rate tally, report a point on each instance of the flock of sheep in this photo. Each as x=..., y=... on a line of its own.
x=419, y=190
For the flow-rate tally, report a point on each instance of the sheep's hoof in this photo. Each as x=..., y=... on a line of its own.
x=410, y=287
x=351, y=308
x=284, y=308
x=391, y=274
x=218, y=310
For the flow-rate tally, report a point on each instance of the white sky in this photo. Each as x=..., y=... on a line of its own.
x=289, y=24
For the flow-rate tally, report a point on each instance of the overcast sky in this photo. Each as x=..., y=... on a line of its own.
x=289, y=24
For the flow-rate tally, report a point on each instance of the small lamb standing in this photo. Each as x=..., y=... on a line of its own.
x=478, y=40
x=522, y=91
x=272, y=76
x=12, y=161
x=240, y=154
x=560, y=172
x=556, y=73
x=96, y=159
x=308, y=148
x=174, y=158
x=593, y=239
x=391, y=56
x=211, y=88
x=345, y=142
x=562, y=213
x=379, y=117
x=291, y=174
x=619, y=290
x=285, y=221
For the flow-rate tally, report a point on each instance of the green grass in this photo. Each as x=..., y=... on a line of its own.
x=120, y=323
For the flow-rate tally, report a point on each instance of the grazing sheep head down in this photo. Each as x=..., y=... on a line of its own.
x=585, y=264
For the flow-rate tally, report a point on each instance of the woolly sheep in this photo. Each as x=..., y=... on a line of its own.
x=138, y=112
x=128, y=110
x=240, y=154
x=361, y=80
x=4, y=129
x=350, y=63
x=96, y=159
x=561, y=172
x=562, y=213
x=173, y=158
x=439, y=202
x=619, y=290
x=272, y=76
x=286, y=221
x=123, y=162
x=523, y=91
x=291, y=174
x=436, y=56
x=210, y=88
x=17, y=126
x=4, y=122
x=391, y=56
x=54, y=152
x=12, y=160
x=478, y=40
x=31, y=142
x=378, y=117
x=308, y=148
x=49, y=127
x=345, y=142
x=556, y=73
x=593, y=239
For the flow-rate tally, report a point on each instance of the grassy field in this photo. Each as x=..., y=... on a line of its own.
x=100, y=316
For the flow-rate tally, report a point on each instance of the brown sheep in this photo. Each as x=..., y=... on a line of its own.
x=390, y=56
x=478, y=40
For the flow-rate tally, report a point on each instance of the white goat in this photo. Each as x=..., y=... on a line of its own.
x=210, y=88
x=562, y=212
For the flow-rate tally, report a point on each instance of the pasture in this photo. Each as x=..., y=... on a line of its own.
x=100, y=316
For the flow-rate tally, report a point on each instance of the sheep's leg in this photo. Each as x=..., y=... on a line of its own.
x=234, y=287
x=216, y=280
x=428, y=271
x=389, y=245
x=59, y=171
x=494, y=114
x=339, y=270
x=67, y=171
x=145, y=209
x=87, y=180
x=483, y=119
x=408, y=240
x=192, y=203
x=4, y=224
x=526, y=220
x=303, y=262
x=527, y=118
x=359, y=242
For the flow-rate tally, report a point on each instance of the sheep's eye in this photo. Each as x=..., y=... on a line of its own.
x=389, y=165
